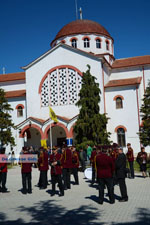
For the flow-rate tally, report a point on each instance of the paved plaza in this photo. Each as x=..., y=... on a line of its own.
x=78, y=206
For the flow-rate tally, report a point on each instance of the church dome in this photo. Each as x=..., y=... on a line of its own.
x=82, y=27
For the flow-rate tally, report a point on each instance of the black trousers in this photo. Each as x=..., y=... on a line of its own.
x=57, y=179
x=43, y=179
x=82, y=162
x=3, y=178
x=131, y=169
x=123, y=188
x=93, y=175
x=75, y=174
x=66, y=178
x=109, y=183
x=26, y=182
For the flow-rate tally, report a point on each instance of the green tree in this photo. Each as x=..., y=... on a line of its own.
x=5, y=121
x=144, y=133
x=90, y=127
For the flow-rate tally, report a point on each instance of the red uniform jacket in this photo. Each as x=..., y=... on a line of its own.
x=57, y=169
x=75, y=160
x=93, y=158
x=43, y=161
x=67, y=158
x=130, y=155
x=114, y=154
x=104, y=166
x=26, y=167
x=3, y=167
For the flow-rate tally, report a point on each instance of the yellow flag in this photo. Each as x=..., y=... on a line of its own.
x=43, y=143
x=52, y=115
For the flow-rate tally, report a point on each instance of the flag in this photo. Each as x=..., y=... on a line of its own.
x=52, y=115
x=43, y=143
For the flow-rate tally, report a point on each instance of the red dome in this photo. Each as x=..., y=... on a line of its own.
x=82, y=27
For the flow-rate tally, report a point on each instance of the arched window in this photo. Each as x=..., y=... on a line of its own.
x=98, y=43
x=119, y=103
x=19, y=111
x=74, y=43
x=121, y=137
x=107, y=45
x=86, y=43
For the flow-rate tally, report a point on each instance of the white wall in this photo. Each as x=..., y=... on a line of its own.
x=127, y=116
x=34, y=75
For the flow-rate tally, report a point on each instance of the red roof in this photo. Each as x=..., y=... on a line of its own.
x=134, y=61
x=12, y=76
x=82, y=27
x=13, y=94
x=123, y=82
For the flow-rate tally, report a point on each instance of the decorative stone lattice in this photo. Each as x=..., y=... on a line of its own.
x=61, y=87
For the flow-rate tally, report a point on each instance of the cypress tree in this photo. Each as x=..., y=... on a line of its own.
x=5, y=121
x=90, y=127
x=144, y=133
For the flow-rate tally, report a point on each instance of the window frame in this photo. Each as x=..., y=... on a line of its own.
x=74, y=43
x=98, y=42
x=119, y=103
x=86, y=42
x=121, y=137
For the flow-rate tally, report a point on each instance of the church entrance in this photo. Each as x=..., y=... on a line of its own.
x=32, y=137
x=58, y=136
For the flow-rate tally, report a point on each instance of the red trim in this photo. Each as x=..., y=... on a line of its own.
x=86, y=37
x=120, y=126
x=107, y=43
x=63, y=41
x=54, y=125
x=98, y=38
x=143, y=79
x=29, y=126
x=118, y=96
x=73, y=39
x=103, y=89
x=55, y=68
x=71, y=131
x=138, y=105
x=20, y=105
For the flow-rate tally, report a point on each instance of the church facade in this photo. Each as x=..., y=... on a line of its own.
x=55, y=79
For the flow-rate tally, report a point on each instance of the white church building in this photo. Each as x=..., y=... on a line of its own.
x=55, y=79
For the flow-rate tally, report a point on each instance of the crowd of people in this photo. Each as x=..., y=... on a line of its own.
x=109, y=167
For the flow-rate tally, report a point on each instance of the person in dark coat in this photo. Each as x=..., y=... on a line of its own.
x=142, y=160
x=82, y=159
x=26, y=169
x=3, y=173
x=105, y=169
x=120, y=166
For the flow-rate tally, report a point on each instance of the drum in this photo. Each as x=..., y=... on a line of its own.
x=88, y=173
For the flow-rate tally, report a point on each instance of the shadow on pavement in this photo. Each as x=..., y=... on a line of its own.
x=48, y=213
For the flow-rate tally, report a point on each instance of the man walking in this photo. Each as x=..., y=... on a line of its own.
x=130, y=157
x=120, y=165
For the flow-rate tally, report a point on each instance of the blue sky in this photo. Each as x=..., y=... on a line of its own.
x=27, y=27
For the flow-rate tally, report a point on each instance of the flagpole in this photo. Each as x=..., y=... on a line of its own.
x=51, y=141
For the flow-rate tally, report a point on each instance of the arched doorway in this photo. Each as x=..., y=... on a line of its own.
x=58, y=136
x=32, y=135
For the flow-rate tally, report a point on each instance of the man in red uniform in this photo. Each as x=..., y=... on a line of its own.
x=105, y=169
x=3, y=173
x=67, y=164
x=55, y=162
x=75, y=165
x=26, y=169
x=43, y=167
x=130, y=158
